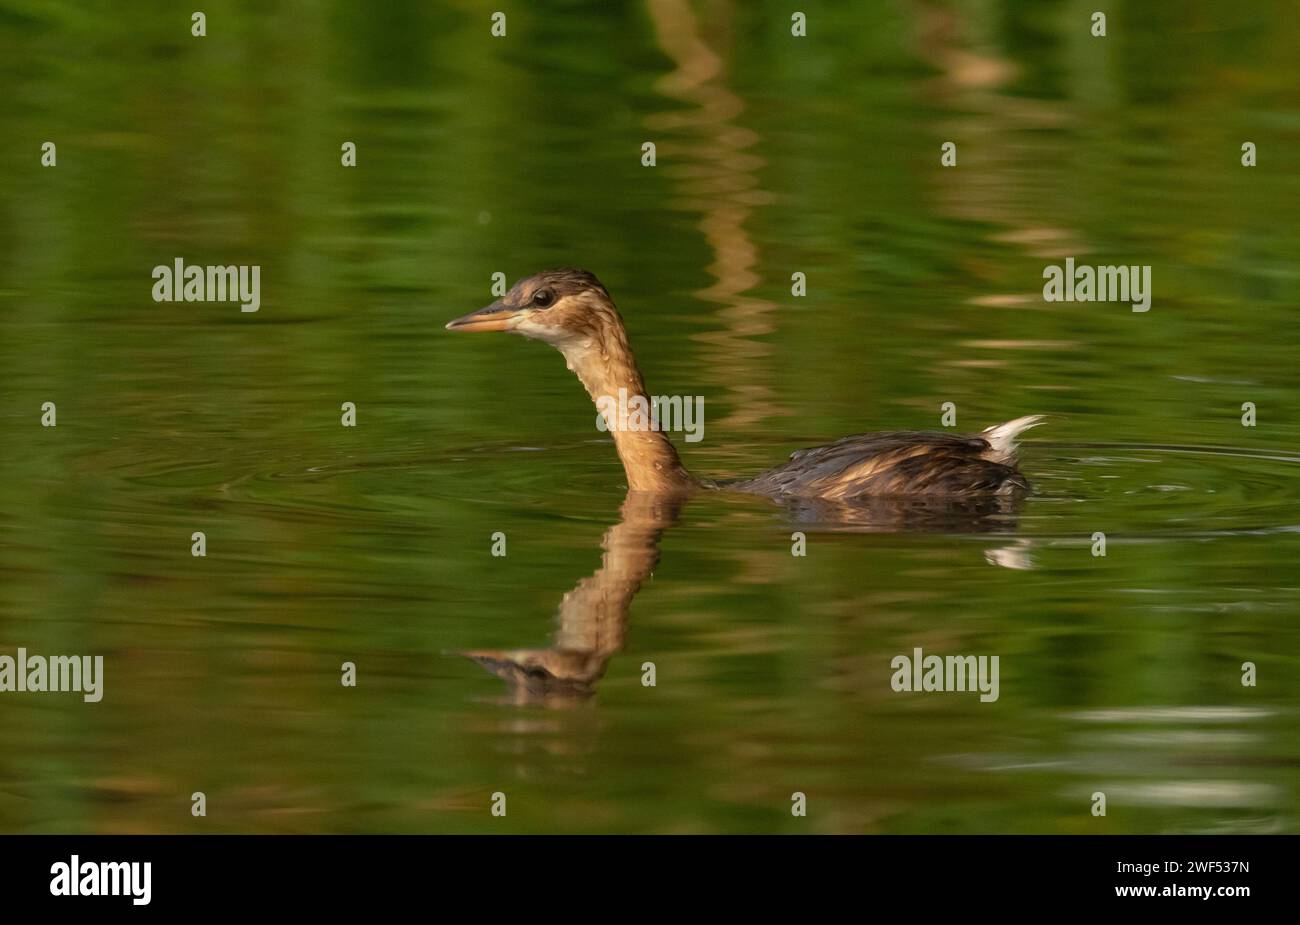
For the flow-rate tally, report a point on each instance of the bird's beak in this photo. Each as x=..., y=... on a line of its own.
x=496, y=317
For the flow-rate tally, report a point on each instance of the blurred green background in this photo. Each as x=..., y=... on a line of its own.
x=775, y=155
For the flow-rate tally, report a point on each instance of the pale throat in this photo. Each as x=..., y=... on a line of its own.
x=649, y=459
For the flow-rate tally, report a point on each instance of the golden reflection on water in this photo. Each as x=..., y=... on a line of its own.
x=593, y=617
x=718, y=177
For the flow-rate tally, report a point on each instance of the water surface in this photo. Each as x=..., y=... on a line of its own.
x=775, y=155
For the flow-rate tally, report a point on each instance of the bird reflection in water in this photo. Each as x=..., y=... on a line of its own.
x=593, y=617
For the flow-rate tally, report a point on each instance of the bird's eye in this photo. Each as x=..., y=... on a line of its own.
x=543, y=298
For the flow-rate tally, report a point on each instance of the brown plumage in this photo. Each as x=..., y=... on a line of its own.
x=894, y=463
x=572, y=311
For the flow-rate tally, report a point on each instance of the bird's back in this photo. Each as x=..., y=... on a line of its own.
x=899, y=463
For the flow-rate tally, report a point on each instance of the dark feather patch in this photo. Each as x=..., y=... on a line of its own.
x=893, y=463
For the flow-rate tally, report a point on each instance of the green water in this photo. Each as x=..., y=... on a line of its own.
x=775, y=155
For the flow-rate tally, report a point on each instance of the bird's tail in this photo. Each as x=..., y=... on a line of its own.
x=1002, y=437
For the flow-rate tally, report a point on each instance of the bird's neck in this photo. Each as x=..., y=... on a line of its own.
x=605, y=366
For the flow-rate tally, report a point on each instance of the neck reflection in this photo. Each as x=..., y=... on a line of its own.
x=593, y=617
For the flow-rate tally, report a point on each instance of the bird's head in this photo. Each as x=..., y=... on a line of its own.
x=561, y=307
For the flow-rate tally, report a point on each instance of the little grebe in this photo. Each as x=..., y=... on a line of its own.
x=570, y=310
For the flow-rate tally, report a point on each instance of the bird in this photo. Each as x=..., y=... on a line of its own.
x=570, y=309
